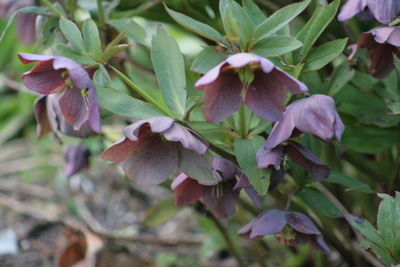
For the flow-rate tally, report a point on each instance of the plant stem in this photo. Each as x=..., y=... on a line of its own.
x=141, y=92
x=243, y=124
x=101, y=14
x=52, y=8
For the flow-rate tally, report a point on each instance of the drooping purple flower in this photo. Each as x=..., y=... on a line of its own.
x=384, y=11
x=153, y=148
x=221, y=198
x=76, y=158
x=70, y=82
x=381, y=43
x=247, y=78
x=289, y=227
x=315, y=114
x=299, y=154
x=50, y=119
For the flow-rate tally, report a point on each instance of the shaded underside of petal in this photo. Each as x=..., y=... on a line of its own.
x=281, y=131
x=383, y=11
x=151, y=161
x=222, y=97
x=289, y=82
x=157, y=125
x=351, y=8
x=301, y=223
x=225, y=167
x=76, y=73
x=178, y=133
x=119, y=151
x=382, y=62
x=210, y=76
x=265, y=158
x=268, y=223
x=74, y=107
x=188, y=192
x=27, y=58
x=221, y=199
x=94, y=110
x=265, y=97
x=43, y=124
x=276, y=178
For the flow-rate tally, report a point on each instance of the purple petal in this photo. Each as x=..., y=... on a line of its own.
x=382, y=34
x=221, y=199
x=265, y=97
x=318, y=243
x=27, y=58
x=301, y=223
x=119, y=151
x=151, y=161
x=242, y=59
x=267, y=223
x=265, y=158
x=26, y=28
x=74, y=108
x=351, y=8
x=178, y=133
x=43, y=124
x=225, y=167
x=94, y=110
x=244, y=183
x=157, y=125
x=79, y=77
x=306, y=159
x=187, y=190
x=288, y=81
x=383, y=11
x=382, y=61
x=76, y=158
x=209, y=77
x=281, y=131
x=276, y=178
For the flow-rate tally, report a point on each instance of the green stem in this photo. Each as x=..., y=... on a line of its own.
x=52, y=8
x=141, y=92
x=243, y=124
x=101, y=14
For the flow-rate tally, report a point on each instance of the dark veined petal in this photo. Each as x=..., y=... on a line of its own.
x=221, y=199
x=187, y=190
x=306, y=159
x=351, y=8
x=178, y=133
x=151, y=161
x=74, y=107
x=267, y=223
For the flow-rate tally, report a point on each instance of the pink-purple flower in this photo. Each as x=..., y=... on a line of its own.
x=152, y=150
x=76, y=159
x=289, y=227
x=250, y=79
x=72, y=84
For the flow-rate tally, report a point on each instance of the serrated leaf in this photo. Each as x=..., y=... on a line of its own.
x=207, y=59
x=72, y=34
x=349, y=182
x=160, y=212
x=246, y=150
x=196, y=26
x=91, y=38
x=324, y=54
x=276, y=46
x=170, y=71
x=318, y=202
x=280, y=19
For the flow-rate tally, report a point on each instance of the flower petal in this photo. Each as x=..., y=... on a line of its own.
x=225, y=167
x=74, y=108
x=351, y=8
x=209, y=77
x=178, y=133
x=119, y=151
x=383, y=11
x=301, y=223
x=94, y=110
x=76, y=73
x=157, y=125
x=43, y=125
x=76, y=158
x=221, y=199
x=281, y=131
x=187, y=190
x=265, y=157
x=267, y=223
x=288, y=81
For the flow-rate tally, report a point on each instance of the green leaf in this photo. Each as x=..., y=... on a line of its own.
x=381, y=253
x=246, y=150
x=91, y=38
x=323, y=54
x=196, y=26
x=67, y=51
x=315, y=26
x=170, y=71
x=207, y=59
x=276, y=46
x=160, y=213
x=349, y=182
x=318, y=202
x=394, y=107
x=254, y=12
x=29, y=9
x=368, y=230
x=135, y=31
x=72, y=34
x=388, y=222
x=280, y=19
x=340, y=77
x=47, y=34
x=244, y=24
x=198, y=167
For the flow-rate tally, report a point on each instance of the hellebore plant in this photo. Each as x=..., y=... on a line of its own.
x=76, y=159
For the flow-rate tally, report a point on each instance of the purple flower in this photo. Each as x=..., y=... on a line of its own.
x=246, y=78
x=50, y=119
x=76, y=158
x=70, y=82
x=384, y=11
x=221, y=198
x=152, y=149
x=381, y=43
x=299, y=154
x=289, y=227
x=315, y=114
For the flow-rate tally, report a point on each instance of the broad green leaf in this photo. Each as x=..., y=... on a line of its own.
x=318, y=202
x=280, y=19
x=160, y=213
x=67, y=51
x=323, y=54
x=244, y=23
x=207, y=59
x=368, y=230
x=388, y=222
x=315, y=26
x=381, y=253
x=198, y=167
x=47, y=34
x=275, y=46
x=340, y=77
x=135, y=31
x=349, y=182
x=72, y=34
x=246, y=150
x=254, y=12
x=230, y=23
x=170, y=71
x=29, y=9
x=91, y=38
x=196, y=26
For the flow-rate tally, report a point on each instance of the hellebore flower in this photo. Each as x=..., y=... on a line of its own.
x=76, y=158
x=246, y=78
x=50, y=119
x=70, y=81
x=315, y=114
x=289, y=227
x=299, y=154
x=221, y=198
x=384, y=11
x=381, y=43
x=152, y=149
x=26, y=22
